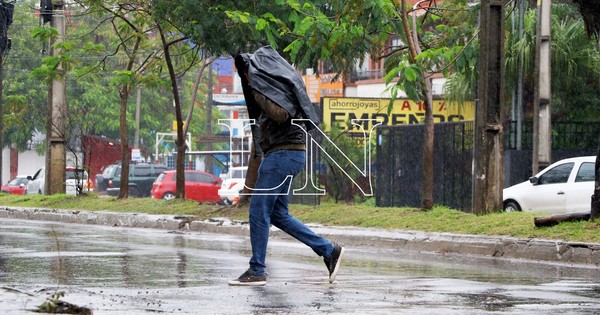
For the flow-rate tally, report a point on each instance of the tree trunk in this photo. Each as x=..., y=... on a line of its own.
x=558, y=218
x=414, y=50
x=180, y=142
x=596, y=196
x=124, y=93
x=428, y=148
x=1, y=115
x=124, y=189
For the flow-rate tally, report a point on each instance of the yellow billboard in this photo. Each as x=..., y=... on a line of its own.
x=342, y=110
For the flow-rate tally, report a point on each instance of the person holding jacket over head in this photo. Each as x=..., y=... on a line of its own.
x=275, y=95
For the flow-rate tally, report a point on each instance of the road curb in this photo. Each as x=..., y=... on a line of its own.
x=555, y=251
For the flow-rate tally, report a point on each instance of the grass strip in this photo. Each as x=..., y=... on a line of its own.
x=440, y=219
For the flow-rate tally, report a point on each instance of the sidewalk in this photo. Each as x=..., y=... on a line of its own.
x=500, y=247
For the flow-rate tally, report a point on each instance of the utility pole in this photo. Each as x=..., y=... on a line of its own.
x=209, y=132
x=517, y=110
x=542, y=128
x=56, y=157
x=488, y=151
x=138, y=108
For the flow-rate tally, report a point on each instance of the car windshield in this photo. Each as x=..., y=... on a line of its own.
x=238, y=173
x=557, y=175
x=17, y=181
x=160, y=177
x=108, y=170
x=71, y=174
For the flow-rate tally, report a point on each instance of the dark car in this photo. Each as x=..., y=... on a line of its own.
x=141, y=178
x=101, y=182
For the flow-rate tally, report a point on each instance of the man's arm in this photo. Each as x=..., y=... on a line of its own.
x=273, y=111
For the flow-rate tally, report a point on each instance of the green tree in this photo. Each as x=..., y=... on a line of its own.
x=26, y=99
x=303, y=32
x=575, y=64
x=153, y=44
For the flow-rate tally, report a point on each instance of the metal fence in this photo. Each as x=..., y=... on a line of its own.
x=400, y=154
x=565, y=135
x=399, y=165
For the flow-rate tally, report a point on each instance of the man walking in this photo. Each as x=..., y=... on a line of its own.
x=275, y=95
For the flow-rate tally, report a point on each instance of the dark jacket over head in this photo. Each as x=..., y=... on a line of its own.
x=274, y=78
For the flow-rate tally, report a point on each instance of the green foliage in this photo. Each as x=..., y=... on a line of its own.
x=94, y=61
x=306, y=32
x=346, y=160
x=123, y=77
x=575, y=65
x=51, y=303
x=44, y=34
x=25, y=102
x=444, y=36
x=406, y=76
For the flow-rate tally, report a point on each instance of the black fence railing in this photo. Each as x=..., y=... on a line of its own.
x=399, y=160
x=400, y=165
x=565, y=135
x=366, y=75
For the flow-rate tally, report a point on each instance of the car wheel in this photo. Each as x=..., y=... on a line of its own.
x=168, y=196
x=511, y=206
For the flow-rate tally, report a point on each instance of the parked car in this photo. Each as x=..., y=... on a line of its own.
x=77, y=181
x=199, y=186
x=233, y=184
x=74, y=177
x=16, y=186
x=101, y=181
x=565, y=186
x=36, y=183
x=141, y=178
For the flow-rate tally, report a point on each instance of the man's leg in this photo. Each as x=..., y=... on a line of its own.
x=260, y=221
x=298, y=230
x=332, y=253
x=267, y=190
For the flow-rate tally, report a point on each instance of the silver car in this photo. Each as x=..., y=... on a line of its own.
x=76, y=182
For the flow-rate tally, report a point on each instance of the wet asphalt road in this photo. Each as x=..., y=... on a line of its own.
x=143, y=271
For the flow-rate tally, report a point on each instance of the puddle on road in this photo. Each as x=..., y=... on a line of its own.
x=136, y=271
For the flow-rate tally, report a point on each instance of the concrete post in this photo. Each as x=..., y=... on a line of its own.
x=56, y=159
x=488, y=151
x=138, y=109
x=209, y=129
x=542, y=135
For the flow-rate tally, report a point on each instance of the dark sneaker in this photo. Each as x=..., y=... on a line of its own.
x=248, y=279
x=333, y=262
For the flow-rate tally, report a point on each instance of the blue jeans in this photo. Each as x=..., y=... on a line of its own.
x=269, y=205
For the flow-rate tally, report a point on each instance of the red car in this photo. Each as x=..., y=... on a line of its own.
x=17, y=186
x=199, y=186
